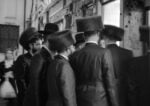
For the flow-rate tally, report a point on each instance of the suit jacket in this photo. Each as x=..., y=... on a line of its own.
x=139, y=81
x=94, y=76
x=36, y=94
x=61, y=83
x=120, y=58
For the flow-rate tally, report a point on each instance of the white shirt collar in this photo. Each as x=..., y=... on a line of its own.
x=92, y=42
x=46, y=48
x=64, y=56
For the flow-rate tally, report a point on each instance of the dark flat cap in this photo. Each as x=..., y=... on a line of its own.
x=113, y=32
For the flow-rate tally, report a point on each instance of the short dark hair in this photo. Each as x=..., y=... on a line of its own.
x=89, y=33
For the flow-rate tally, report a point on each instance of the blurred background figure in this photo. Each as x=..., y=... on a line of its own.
x=120, y=58
x=6, y=65
x=80, y=41
x=139, y=73
x=6, y=73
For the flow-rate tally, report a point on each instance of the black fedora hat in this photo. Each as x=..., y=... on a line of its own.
x=144, y=33
x=27, y=36
x=49, y=28
x=91, y=23
x=61, y=40
x=113, y=32
x=80, y=38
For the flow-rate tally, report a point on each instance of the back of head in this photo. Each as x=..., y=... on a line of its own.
x=113, y=32
x=61, y=40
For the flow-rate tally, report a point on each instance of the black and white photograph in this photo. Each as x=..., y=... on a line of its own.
x=74, y=52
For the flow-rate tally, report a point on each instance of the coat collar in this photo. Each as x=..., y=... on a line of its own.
x=45, y=52
x=90, y=43
x=112, y=45
x=61, y=57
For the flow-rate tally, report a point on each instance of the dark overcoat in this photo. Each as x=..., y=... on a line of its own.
x=36, y=94
x=94, y=76
x=21, y=74
x=121, y=58
x=61, y=83
x=139, y=81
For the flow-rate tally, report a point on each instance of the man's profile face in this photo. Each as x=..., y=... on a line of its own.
x=37, y=45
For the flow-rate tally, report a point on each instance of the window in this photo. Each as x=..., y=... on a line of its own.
x=111, y=12
x=8, y=36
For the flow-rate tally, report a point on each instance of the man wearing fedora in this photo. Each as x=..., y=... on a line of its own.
x=60, y=76
x=139, y=73
x=37, y=91
x=121, y=57
x=31, y=41
x=95, y=81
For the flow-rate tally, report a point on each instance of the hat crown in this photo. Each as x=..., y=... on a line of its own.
x=49, y=28
x=113, y=32
x=92, y=23
x=59, y=41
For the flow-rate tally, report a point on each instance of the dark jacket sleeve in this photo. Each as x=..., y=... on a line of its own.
x=19, y=72
x=18, y=68
x=109, y=79
x=67, y=81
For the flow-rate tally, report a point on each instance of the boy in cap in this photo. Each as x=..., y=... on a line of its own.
x=120, y=57
x=37, y=91
x=139, y=73
x=31, y=41
x=93, y=67
x=60, y=76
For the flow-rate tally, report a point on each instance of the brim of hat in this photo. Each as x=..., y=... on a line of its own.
x=46, y=32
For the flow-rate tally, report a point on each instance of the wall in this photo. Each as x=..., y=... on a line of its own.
x=12, y=13
x=133, y=19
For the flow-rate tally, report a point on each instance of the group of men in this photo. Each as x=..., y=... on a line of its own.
x=55, y=74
